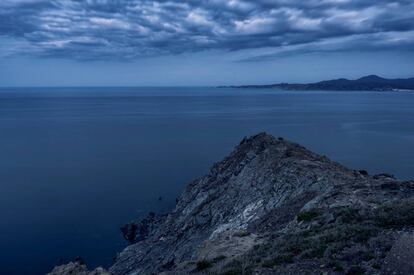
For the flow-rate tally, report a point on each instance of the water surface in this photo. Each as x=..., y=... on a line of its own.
x=76, y=163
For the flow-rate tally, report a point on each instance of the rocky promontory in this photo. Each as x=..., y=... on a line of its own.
x=366, y=83
x=274, y=207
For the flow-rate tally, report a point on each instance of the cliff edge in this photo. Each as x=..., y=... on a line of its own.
x=274, y=207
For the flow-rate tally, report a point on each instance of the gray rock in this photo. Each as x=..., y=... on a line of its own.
x=274, y=207
x=400, y=260
x=77, y=268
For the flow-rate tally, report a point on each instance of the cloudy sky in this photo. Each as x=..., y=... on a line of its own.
x=211, y=42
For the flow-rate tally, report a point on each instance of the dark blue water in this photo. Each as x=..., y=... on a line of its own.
x=75, y=164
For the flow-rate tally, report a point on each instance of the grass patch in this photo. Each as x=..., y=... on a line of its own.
x=340, y=237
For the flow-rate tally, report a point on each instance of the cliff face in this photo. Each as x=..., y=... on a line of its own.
x=272, y=207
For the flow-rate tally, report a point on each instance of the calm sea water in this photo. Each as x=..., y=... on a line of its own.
x=77, y=163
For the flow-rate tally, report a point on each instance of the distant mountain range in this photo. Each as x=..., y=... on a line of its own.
x=367, y=83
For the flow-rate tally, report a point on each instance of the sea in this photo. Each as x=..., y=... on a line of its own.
x=78, y=163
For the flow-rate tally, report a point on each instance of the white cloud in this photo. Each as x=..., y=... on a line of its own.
x=255, y=25
x=145, y=27
x=109, y=22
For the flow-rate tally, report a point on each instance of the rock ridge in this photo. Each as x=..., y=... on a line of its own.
x=266, y=190
x=274, y=207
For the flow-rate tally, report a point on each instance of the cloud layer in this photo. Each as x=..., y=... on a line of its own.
x=130, y=29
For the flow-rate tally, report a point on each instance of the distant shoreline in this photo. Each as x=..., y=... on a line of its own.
x=367, y=83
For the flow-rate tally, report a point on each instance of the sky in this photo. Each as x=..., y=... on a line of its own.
x=202, y=43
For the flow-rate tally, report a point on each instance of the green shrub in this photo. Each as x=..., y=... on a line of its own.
x=308, y=216
x=376, y=266
x=349, y=215
x=355, y=270
x=396, y=214
x=236, y=267
x=336, y=266
x=367, y=255
x=278, y=260
x=318, y=251
x=203, y=264
x=218, y=259
x=241, y=233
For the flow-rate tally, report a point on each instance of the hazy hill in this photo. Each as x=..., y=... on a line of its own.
x=367, y=83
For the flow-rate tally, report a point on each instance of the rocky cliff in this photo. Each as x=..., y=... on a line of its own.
x=274, y=207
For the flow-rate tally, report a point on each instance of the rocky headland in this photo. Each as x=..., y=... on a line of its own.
x=274, y=207
x=366, y=83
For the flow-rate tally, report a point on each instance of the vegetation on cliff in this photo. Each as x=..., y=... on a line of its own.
x=274, y=207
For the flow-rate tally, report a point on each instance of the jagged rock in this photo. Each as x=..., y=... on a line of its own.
x=77, y=268
x=138, y=231
x=400, y=260
x=274, y=207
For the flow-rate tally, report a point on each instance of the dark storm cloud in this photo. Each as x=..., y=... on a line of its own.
x=129, y=29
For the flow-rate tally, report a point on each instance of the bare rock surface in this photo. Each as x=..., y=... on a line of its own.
x=400, y=260
x=77, y=268
x=274, y=207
